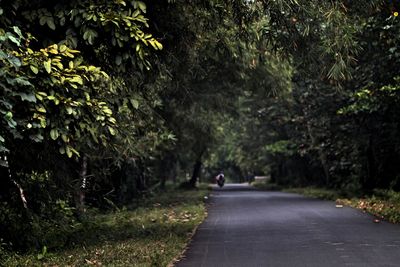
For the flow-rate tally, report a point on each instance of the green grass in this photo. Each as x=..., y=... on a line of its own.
x=152, y=234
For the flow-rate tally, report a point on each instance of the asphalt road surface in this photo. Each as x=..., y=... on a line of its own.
x=246, y=227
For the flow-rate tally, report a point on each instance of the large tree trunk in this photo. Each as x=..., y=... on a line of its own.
x=196, y=173
x=196, y=170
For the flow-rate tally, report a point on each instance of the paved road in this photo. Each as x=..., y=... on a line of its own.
x=246, y=227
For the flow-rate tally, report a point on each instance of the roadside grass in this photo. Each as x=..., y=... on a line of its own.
x=151, y=233
x=384, y=204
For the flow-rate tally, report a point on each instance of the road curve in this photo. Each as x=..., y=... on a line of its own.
x=247, y=227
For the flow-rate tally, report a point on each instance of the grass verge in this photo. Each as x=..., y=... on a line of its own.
x=154, y=233
x=384, y=204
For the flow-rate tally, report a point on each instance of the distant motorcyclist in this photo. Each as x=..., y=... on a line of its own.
x=220, y=179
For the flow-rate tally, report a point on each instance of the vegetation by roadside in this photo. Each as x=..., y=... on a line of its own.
x=384, y=204
x=151, y=234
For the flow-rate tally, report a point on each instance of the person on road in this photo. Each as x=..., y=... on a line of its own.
x=220, y=177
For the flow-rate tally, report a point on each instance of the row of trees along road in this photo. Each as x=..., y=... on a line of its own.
x=103, y=101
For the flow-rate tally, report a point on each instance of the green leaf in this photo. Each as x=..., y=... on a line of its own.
x=142, y=6
x=135, y=103
x=107, y=111
x=47, y=65
x=69, y=151
x=41, y=109
x=63, y=48
x=34, y=69
x=112, y=120
x=42, y=93
x=36, y=138
x=69, y=110
x=16, y=62
x=64, y=138
x=12, y=123
x=17, y=31
x=41, y=256
x=50, y=23
x=118, y=60
x=62, y=21
x=77, y=79
x=22, y=81
x=8, y=115
x=42, y=20
x=54, y=134
x=14, y=40
x=89, y=35
x=30, y=97
x=111, y=130
x=3, y=55
x=39, y=97
x=159, y=45
x=74, y=151
x=43, y=123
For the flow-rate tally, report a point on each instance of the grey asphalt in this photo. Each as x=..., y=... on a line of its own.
x=247, y=227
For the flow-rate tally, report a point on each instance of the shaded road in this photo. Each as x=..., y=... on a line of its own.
x=246, y=227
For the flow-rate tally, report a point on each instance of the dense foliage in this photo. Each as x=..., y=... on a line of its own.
x=337, y=127
x=101, y=102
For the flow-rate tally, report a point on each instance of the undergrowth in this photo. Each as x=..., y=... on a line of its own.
x=150, y=233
